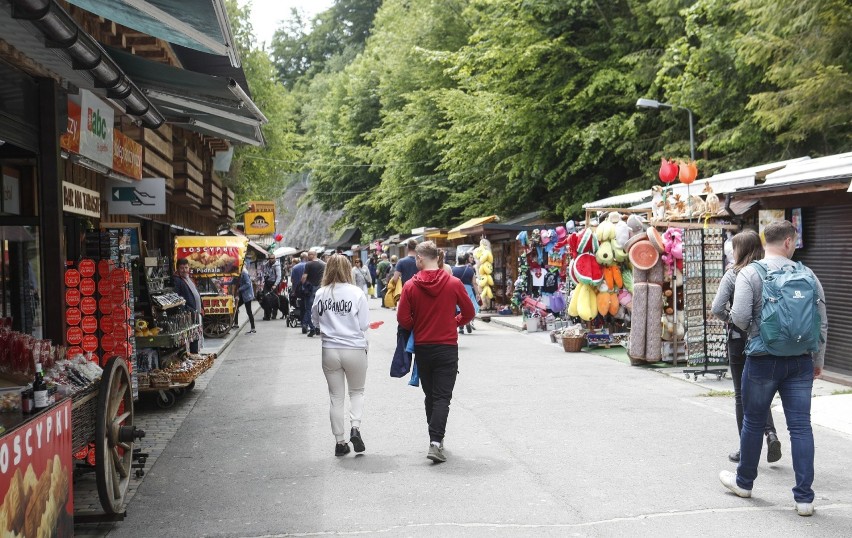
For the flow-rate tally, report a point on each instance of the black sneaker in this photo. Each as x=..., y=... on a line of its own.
x=355, y=439
x=773, y=448
x=304, y=330
x=469, y=328
x=341, y=449
x=461, y=330
x=311, y=333
x=734, y=456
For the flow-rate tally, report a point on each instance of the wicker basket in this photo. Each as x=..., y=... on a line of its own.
x=159, y=379
x=573, y=344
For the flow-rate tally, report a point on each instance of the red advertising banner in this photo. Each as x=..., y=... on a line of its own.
x=70, y=141
x=35, y=475
x=126, y=155
x=220, y=255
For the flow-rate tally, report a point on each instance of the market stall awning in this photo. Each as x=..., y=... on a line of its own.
x=456, y=233
x=198, y=24
x=809, y=175
x=212, y=105
x=631, y=198
x=349, y=237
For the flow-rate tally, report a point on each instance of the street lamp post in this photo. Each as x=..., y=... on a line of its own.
x=651, y=103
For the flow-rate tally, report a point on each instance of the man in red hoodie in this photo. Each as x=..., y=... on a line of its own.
x=428, y=308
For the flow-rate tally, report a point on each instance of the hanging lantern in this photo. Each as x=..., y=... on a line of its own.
x=688, y=171
x=668, y=171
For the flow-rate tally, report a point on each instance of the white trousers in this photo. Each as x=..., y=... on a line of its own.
x=342, y=366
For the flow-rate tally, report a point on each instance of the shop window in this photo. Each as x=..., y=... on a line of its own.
x=20, y=285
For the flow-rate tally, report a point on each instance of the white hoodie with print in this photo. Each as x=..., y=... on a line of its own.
x=342, y=314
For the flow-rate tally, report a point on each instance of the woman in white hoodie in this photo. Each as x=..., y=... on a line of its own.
x=341, y=313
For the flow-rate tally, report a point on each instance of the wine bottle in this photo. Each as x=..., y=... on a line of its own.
x=40, y=400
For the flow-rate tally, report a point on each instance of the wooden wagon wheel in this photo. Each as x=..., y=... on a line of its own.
x=217, y=326
x=114, y=435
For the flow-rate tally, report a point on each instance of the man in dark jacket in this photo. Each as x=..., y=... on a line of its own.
x=428, y=307
x=185, y=287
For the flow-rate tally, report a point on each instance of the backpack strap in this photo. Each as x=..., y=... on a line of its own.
x=760, y=268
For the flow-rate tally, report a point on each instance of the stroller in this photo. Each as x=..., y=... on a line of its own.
x=294, y=316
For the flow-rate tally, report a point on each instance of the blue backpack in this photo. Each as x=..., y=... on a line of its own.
x=790, y=320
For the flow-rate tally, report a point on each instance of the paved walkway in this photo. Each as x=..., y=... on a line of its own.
x=540, y=442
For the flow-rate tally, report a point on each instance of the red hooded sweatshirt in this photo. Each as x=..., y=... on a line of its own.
x=428, y=307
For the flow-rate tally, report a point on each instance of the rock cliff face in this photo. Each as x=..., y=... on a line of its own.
x=304, y=225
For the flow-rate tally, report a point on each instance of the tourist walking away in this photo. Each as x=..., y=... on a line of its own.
x=271, y=273
x=246, y=296
x=428, y=307
x=185, y=287
x=341, y=312
x=747, y=249
x=296, y=297
x=406, y=268
x=371, y=266
x=464, y=272
x=361, y=276
x=311, y=281
x=382, y=275
x=780, y=304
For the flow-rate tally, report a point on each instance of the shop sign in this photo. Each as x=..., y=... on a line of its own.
x=106, y=324
x=90, y=343
x=259, y=223
x=89, y=324
x=96, y=132
x=126, y=155
x=104, y=287
x=118, y=295
x=72, y=297
x=222, y=304
x=35, y=471
x=80, y=201
x=73, y=316
x=87, y=268
x=88, y=305
x=74, y=335
x=211, y=256
x=105, y=267
x=144, y=197
x=70, y=141
x=105, y=305
x=87, y=286
x=72, y=278
x=108, y=342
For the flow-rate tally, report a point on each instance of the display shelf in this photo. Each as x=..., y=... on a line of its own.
x=166, y=340
x=706, y=337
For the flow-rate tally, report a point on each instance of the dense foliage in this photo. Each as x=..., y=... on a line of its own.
x=425, y=113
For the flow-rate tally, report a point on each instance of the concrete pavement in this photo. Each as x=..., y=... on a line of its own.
x=539, y=441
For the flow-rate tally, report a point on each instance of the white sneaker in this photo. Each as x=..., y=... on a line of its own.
x=805, y=509
x=729, y=480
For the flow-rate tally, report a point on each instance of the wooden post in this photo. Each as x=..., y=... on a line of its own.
x=51, y=230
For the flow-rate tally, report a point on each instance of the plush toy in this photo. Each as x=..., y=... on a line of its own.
x=672, y=328
x=712, y=201
x=622, y=233
x=485, y=266
x=673, y=250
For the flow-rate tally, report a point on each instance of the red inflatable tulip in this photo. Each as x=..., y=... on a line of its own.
x=688, y=172
x=668, y=171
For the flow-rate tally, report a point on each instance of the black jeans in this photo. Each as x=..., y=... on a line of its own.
x=736, y=357
x=249, y=312
x=437, y=365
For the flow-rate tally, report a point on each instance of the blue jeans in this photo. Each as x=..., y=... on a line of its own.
x=306, y=315
x=793, y=378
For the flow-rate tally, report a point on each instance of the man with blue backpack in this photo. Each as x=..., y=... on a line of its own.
x=780, y=305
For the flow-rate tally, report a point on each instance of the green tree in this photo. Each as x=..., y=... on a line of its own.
x=261, y=172
x=802, y=49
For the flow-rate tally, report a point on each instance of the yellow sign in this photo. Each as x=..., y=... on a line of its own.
x=211, y=256
x=260, y=223
x=220, y=304
x=261, y=207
